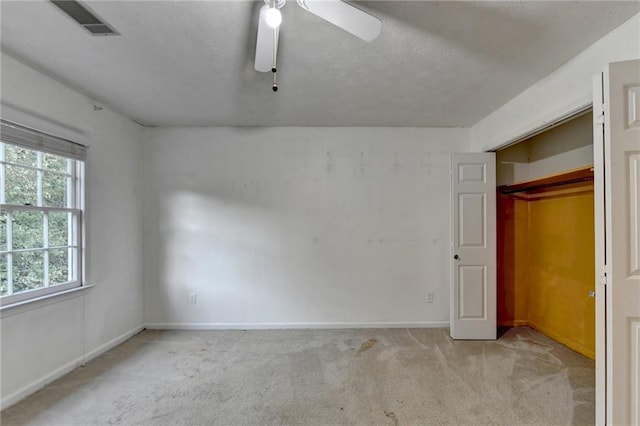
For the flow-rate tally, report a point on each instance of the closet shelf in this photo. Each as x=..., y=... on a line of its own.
x=575, y=176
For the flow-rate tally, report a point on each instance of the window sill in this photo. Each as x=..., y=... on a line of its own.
x=37, y=302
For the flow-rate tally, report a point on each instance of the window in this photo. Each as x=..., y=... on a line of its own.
x=41, y=209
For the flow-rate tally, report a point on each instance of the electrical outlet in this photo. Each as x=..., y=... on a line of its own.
x=192, y=298
x=430, y=297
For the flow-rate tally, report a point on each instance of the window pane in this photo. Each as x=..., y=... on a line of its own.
x=27, y=230
x=54, y=162
x=28, y=270
x=3, y=230
x=21, y=186
x=4, y=283
x=58, y=266
x=54, y=190
x=18, y=155
x=59, y=229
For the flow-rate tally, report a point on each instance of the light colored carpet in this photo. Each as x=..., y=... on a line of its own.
x=320, y=377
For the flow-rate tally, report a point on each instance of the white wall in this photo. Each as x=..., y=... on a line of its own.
x=45, y=339
x=297, y=226
x=562, y=91
x=566, y=147
x=563, y=148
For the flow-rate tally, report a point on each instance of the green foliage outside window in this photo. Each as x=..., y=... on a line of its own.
x=28, y=227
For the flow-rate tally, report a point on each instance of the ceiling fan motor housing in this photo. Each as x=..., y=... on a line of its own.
x=278, y=4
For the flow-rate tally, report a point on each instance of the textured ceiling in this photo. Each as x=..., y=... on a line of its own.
x=190, y=63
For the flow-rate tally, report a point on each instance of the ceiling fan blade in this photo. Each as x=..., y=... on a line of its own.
x=346, y=16
x=265, y=44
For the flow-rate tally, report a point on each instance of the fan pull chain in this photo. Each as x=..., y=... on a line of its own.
x=273, y=69
x=275, y=80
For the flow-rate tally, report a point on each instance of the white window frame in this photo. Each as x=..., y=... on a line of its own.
x=24, y=137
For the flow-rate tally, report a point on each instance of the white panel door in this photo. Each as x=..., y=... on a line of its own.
x=622, y=241
x=473, y=257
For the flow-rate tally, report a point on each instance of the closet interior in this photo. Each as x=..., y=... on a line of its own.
x=546, y=245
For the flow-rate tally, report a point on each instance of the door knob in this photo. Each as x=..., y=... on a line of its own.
x=456, y=257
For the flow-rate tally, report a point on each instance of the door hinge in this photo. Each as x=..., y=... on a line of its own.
x=603, y=279
x=600, y=120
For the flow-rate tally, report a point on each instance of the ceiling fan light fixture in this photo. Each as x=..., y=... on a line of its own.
x=273, y=17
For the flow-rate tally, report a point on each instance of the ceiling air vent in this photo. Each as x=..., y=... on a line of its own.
x=85, y=18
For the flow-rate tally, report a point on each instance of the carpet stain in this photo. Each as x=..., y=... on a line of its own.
x=367, y=345
x=391, y=415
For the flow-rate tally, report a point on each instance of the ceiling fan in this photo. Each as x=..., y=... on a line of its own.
x=343, y=15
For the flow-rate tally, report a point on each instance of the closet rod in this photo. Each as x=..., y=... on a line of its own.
x=507, y=191
x=574, y=176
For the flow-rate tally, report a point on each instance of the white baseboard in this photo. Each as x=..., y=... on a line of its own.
x=38, y=384
x=112, y=343
x=297, y=325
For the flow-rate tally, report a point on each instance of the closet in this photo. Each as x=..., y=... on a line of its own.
x=546, y=245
